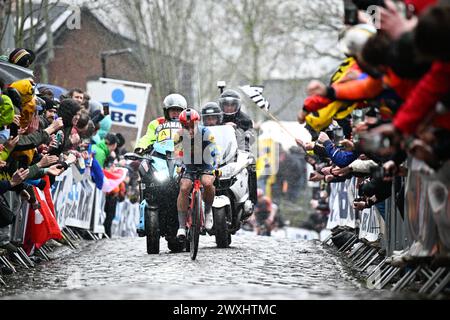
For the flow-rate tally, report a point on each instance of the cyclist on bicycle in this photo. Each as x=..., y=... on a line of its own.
x=174, y=104
x=199, y=153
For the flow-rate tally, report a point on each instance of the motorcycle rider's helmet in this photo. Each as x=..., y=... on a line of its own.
x=212, y=109
x=230, y=98
x=174, y=101
x=189, y=118
x=353, y=39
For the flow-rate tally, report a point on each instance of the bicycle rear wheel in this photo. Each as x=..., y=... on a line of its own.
x=196, y=225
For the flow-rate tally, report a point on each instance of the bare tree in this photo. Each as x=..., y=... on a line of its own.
x=160, y=30
x=250, y=41
x=240, y=41
x=5, y=16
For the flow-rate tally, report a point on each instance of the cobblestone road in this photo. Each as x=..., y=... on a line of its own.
x=253, y=268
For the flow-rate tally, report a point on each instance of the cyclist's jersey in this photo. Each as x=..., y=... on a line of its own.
x=191, y=153
x=151, y=135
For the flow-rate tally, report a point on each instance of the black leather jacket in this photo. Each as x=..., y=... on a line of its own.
x=242, y=120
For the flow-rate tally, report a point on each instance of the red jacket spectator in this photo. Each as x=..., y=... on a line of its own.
x=420, y=5
x=434, y=86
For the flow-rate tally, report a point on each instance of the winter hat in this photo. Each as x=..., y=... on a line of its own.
x=26, y=89
x=22, y=57
x=49, y=104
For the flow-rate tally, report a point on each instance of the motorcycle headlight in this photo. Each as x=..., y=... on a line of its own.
x=160, y=176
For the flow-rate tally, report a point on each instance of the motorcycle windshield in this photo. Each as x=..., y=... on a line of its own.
x=226, y=142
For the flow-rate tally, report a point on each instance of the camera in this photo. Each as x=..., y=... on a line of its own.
x=365, y=4
x=221, y=85
x=105, y=108
x=59, y=138
x=14, y=130
x=377, y=173
x=350, y=13
x=357, y=117
x=373, y=143
x=338, y=133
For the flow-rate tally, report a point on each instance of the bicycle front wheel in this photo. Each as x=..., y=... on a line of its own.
x=196, y=225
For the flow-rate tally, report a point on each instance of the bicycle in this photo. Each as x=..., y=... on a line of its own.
x=195, y=220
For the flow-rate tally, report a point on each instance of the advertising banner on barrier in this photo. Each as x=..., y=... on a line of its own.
x=421, y=224
x=342, y=213
x=21, y=209
x=370, y=226
x=439, y=199
x=99, y=214
x=126, y=219
x=74, y=199
x=127, y=100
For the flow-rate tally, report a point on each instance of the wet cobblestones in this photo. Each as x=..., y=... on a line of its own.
x=254, y=268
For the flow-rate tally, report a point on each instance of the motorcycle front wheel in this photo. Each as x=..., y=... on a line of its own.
x=152, y=231
x=223, y=238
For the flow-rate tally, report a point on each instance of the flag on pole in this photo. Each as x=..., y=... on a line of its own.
x=255, y=93
x=41, y=225
x=113, y=178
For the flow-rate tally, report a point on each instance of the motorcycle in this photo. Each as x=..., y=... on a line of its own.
x=232, y=204
x=159, y=188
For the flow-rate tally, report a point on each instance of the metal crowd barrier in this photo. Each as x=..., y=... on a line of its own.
x=126, y=219
x=341, y=210
x=402, y=249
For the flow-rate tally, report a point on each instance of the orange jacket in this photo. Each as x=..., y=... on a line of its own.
x=370, y=88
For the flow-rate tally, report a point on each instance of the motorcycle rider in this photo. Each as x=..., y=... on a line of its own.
x=191, y=137
x=230, y=102
x=212, y=115
x=173, y=105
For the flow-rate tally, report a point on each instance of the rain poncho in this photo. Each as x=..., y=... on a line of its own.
x=105, y=128
x=6, y=111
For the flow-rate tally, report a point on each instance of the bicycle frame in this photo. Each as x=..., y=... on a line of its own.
x=195, y=219
x=196, y=188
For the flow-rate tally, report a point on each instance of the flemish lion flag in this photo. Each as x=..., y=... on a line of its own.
x=255, y=93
